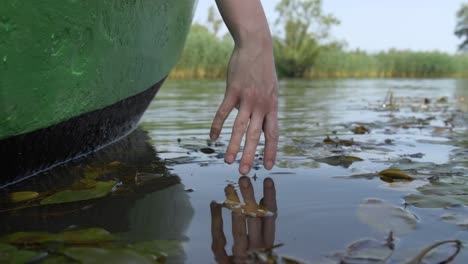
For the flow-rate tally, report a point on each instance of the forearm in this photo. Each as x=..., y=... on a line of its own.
x=246, y=22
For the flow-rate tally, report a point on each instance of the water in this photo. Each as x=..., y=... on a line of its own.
x=317, y=210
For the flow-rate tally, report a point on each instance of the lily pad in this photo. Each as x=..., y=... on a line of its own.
x=159, y=247
x=441, y=188
x=101, y=189
x=385, y=217
x=18, y=256
x=23, y=196
x=457, y=218
x=102, y=255
x=435, y=201
x=395, y=175
x=364, y=251
x=344, y=161
x=83, y=236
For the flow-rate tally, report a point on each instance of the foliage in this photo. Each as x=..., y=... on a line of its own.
x=298, y=49
x=213, y=20
x=301, y=51
x=461, y=29
x=205, y=55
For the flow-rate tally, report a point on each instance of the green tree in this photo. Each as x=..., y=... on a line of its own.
x=214, y=20
x=305, y=27
x=461, y=29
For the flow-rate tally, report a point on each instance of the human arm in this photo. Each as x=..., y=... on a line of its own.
x=251, y=84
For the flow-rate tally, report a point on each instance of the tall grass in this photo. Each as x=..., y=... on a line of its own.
x=389, y=64
x=206, y=56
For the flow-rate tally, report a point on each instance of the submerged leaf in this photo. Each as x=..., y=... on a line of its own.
x=23, y=196
x=385, y=217
x=369, y=251
x=100, y=190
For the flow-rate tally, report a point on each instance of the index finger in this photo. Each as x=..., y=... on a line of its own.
x=223, y=112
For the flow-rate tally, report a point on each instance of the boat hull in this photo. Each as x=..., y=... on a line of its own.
x=77, y=75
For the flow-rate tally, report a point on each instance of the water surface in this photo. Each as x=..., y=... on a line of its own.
x=318, y=207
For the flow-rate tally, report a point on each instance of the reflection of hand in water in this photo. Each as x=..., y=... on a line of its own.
x=259, y=232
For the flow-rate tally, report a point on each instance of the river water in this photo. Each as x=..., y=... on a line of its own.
x=416, y=125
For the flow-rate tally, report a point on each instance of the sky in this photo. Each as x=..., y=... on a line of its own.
x=376, y=25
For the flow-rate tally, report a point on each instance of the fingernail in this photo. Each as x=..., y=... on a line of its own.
x=268, y=182
x=269, y=165
x=229, y=158
x=244, y=182
x=244, y=169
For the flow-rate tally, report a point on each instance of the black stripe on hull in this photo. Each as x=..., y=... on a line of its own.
x=28, y=154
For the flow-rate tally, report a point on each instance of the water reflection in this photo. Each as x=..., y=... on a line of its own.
x=250, y=234
x=149, y=203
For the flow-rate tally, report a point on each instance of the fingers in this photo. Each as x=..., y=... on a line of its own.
x=270, y=128
x=254, y=224
x=239, y=234
x=251, y=140
x=269, y=223
x=217, y=235
x=269, y=195
x=238, y=130
x=247, y=192
x=223, y=112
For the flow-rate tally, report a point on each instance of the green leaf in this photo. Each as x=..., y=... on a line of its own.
x=23, y=196
x=159, y=247
x=88, y=255
x=100, y=190
x=436, y=201
x=9, y=254
x=83, y=236
x=344, y=161
x=395, y=175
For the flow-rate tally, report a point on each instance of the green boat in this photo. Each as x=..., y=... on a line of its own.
x=77, y=75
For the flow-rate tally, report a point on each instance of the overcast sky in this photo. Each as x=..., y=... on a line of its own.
x=375, y=25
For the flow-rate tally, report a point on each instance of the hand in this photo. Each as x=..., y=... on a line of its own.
x=261, y=230
x=252, y=88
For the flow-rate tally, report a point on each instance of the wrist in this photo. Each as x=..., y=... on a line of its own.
x=254, y=37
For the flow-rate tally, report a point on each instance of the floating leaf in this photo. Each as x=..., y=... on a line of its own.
x=369, y=251
x=360, y=130
x=102, y=255
x=159, y=247
x=18, y=256
x=254, y=211
x=100, y=190
x=442, y=188
x=456, y=218
x=344, y=142
x=207, y=150
x=395, y=175
x=344, y=161
x=23, y=196
x=385, y=217
x=436, y=201
x=82, y=236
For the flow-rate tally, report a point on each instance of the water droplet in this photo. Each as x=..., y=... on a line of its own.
x=5, y=58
